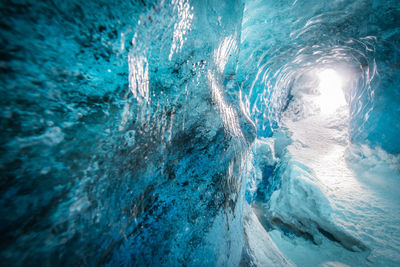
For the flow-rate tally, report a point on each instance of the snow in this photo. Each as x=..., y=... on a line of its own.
x=349, y=191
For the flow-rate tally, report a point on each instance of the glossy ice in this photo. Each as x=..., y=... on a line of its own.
x=199, y=133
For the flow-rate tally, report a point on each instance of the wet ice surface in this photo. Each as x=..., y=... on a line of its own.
x=186, y=132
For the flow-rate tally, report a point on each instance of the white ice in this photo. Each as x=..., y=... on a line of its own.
x=350, y=191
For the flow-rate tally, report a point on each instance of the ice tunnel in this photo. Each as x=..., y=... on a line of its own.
x=200, y=133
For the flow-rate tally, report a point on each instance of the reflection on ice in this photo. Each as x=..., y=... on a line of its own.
x=185, y=15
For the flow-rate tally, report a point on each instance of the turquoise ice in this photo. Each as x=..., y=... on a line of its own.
x=200, y=133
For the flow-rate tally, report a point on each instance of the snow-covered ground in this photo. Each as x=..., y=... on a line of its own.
x=342, y=200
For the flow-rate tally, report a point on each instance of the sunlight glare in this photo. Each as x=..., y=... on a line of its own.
x=331, y=92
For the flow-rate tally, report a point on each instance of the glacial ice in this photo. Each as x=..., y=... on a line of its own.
x=200, y=133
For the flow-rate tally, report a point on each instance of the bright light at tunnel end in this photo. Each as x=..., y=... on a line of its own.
x=331, y=91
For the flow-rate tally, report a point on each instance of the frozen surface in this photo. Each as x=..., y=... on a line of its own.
x=260, y=249
x=199, y=133
x=119, y=143
x=326, y=163
x=335, y=194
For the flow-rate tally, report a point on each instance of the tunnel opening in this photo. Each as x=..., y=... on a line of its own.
x=311, y=101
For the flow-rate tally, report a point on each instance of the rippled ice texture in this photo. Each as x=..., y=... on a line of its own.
x=178, y=133
x=283, y=39
x=118, y=145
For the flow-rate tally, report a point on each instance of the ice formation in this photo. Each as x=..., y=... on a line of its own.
x=200, y=133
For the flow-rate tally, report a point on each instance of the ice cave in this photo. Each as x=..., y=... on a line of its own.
x=200, y=133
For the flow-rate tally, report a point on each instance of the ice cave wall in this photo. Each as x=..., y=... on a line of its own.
x=126, y=125
x=281, y=40
x=119, y=142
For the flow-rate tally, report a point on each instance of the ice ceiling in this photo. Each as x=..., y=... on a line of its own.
x=200, y=133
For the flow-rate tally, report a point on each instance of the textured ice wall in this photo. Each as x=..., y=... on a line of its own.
x=317, y=208
x=125, y=124
x=282, y=40
x=122, y=137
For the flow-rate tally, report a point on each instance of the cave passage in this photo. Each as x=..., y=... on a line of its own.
x=200, y=133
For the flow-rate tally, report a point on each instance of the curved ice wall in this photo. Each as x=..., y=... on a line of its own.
x=119, y=144
x=316, y=176
x=126, y=125
x=283, y=40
